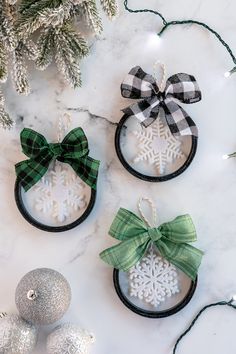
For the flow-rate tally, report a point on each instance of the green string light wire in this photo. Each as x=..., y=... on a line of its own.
x=167, y=24
x=220, y=303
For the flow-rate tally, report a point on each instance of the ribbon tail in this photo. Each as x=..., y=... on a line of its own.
x=146, y=111
x=139, y=110
x=30, y=172
x=127, y=253
x=185, y=257
x=178, y=120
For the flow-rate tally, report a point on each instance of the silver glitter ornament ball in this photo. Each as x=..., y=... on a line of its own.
x=43, y=296
x=69, y=339
x=16, y=335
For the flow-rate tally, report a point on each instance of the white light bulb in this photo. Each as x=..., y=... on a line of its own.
x=154, y=39
x=229, y=156
x=230, y=72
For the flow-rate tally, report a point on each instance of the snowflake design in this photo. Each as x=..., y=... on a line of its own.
x=73, y=344
x=153, y=279
x=60, y=192
x=158, y=146
x=76, y=345
x=70, y=340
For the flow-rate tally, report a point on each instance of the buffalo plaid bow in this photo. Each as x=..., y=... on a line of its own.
x=181, y=87
x=72, y=150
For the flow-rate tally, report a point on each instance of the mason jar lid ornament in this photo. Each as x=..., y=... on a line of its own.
x=155, y=268
x=156, y=140
x=55, y=188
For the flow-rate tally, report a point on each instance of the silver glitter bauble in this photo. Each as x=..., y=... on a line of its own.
x=68, y=339
x=43, y=296
x=16, y=335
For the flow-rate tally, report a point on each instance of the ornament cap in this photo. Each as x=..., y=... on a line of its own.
x=92, y=337
x=32, y=295
x=3, y=314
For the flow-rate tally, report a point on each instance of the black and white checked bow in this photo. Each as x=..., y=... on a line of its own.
x=179, y=87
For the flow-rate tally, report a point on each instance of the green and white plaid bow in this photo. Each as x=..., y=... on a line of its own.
x=72, y=150
x=171, y=240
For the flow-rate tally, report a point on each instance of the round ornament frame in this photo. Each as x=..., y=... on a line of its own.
x=142, y=176
x=62, y=228
x=153, y=314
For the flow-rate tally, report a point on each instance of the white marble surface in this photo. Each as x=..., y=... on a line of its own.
x=207, y=190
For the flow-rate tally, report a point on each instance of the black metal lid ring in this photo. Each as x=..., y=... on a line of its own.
x=153, y=314
x=147, y=177
x=24, y=212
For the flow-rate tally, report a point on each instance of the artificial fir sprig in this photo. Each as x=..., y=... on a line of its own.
x=7, y=29
x=3, y=63
x=110, y=7
x=89, y=8
x=5, y=120
x=56, y=25
x=15, y=50
x=42, y=13
x=69, y=47
x=59, y=37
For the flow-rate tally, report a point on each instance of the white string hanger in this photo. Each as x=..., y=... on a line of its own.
x=153, y=223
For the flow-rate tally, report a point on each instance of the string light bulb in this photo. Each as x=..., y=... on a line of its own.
x=154, y=39
x=229, y=73
x=229, y=156
x=167, y=24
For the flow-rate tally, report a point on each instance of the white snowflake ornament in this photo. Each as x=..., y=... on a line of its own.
x=157, y=145
x=60, y=192
x=153, y=279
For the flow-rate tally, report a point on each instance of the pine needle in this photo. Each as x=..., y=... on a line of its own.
x=110, y=7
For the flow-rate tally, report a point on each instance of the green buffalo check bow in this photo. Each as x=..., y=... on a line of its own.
x=171, y=240
x=72, y=150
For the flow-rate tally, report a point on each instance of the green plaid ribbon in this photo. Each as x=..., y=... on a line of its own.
x=72, y=150
x=171, y=240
